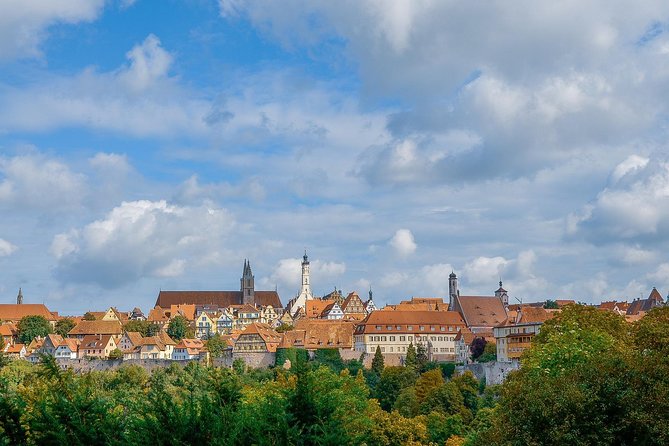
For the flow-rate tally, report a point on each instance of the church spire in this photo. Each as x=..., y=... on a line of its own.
x=19, y=298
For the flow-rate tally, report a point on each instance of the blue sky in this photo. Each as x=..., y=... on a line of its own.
x=149, y=145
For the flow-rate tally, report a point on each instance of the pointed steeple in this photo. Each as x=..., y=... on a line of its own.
x=19, y=298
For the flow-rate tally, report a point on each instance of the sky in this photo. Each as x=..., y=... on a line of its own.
x=156, y=144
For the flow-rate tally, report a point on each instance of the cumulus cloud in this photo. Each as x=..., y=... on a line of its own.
x=139, y=99
x=24, y=23
x=403, y=242
x=37, y=182
x=633, y=208
x=139, y=239
x=6, y=248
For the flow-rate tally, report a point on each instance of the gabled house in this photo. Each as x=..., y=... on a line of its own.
x=205, y=325
x=257, y=338
x=9, y=333
x=97, y=346
x=129, y=341
x=244, y=315
x=187, y=349
x=15, y=312
x=158, y=316
x=516, y=333
x=224, y=323
x=332, y=312
x=50, y=344
x=268, y=314
x=87, y=328
x=15, y=351
x=642, y=306
x=354, y=307
x=137, y=315
x=67, y=349
x=463, y=342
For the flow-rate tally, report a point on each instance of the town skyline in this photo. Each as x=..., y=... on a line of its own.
x=148, y=146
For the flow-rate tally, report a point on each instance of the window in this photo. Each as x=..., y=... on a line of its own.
x=450, y=328
x=378, y=327
x=409, y=327
x=391, y=349
x=422, y=328
x=399, y=327
x=410, y=338
x=433, y=338
x=392, y=338
x=383, y=338
x=383, y=349
x=402, y=338
x=389, y=327
x=442, y=328
x=432, y=328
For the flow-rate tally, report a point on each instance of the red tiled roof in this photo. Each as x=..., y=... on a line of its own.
x=415, y=319
x=482, y=311
x=15, y=312
x=97, y=328
x=220, y=298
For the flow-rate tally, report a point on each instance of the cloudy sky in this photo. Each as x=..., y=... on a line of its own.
x=149, y=145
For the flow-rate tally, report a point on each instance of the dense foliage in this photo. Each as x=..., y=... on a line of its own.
x=64, y=326
x=146, y=328
x=590, y=379
x=30, y=327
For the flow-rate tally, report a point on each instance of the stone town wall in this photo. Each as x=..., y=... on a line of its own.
x=89, y=365
x=494, y=372
x=256, y=360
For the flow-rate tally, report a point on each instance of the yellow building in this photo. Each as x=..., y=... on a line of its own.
x=516, y=333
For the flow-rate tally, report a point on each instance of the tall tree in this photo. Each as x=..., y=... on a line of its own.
x=88, y=316
x=216, y=346
x=146, y=328
x=32, y=326
x=178, y=328
x=377, y=362
x=410, y=360
x=64, y=326
x=421, y=357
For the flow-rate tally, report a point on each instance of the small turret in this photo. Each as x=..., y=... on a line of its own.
x=19, y=298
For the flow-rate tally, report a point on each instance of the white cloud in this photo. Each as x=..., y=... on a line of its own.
x=139, y=239
x=633, y=208
x=6, y=248
x=24, y=23
x=485, y=270
x=403, y=242
x=149, y=63
x=37, y=182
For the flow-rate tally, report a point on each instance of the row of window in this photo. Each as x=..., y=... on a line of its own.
x=410, y=328
x=410, y=338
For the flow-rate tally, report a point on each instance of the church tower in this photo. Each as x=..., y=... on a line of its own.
x=19, y=298
x=502, y=295
x=453, y=291
x=305, y=293
x=247, y=284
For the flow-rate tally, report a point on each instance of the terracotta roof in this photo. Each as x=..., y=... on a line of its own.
x=244, y=308
x=266, y=332
x=644, y=305
x=55, y=339
x=527, y=315
x=98, y=314
x=96, y=328
x=192, y=346
x=482, y=311
x=165, y=338
x=185, y=310
x=153, y=340
x=220, y=298
x=135, y=337
x=8, y=330
x=413, y=319
x=466, y=335
x=563, y=302
x=157, y=314
x=15, y=312
x=326, y=333
x=14, y=348
x=315, y=307
x=352, y=299
x=293, y=338
x=95, y=341
x=71, y=343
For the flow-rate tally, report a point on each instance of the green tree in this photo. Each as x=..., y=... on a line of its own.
x=216, y=346
x=64, y=326
x=489, y=353
x=116, y=354
x=30, y=327
x=377, y=362
x=284, y=327
x=551, y=305
x=178, y=328
x=145, y=328
x=427, y=382
x=393, y=380
x=88, y=316
x=421, y=357
x=477, y=347
x=410, y=360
